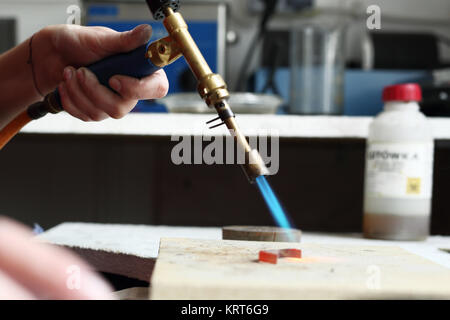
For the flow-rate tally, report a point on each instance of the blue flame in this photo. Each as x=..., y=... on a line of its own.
x=272, y=202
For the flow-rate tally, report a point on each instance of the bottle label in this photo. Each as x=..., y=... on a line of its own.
x=399, y=170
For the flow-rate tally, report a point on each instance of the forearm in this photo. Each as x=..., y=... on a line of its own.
x=17, y=89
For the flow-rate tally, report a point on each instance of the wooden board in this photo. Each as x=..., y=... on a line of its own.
x=227, y=269
x=127, y=250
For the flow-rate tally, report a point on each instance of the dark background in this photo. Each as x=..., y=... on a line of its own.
x=51, y=179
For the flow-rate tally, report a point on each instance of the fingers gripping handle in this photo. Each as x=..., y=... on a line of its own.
x=133, y=64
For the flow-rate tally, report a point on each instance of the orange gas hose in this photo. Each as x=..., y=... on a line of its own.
x=12, y=128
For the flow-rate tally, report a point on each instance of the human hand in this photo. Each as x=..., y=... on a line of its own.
x=61, y=51
x=33, y=270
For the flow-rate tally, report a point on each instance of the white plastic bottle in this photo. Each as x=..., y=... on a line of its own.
x=399, y=168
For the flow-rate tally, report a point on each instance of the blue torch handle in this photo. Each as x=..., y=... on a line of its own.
x=133, y=64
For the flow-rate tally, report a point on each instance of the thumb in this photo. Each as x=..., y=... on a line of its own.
x=126, y=41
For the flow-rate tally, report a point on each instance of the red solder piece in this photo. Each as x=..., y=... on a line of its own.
x=271, y=256
x=290, y=253
x=268, y=256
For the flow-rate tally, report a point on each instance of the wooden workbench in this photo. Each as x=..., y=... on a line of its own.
x=349, y=266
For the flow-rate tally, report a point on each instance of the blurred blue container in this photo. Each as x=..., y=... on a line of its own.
x=363, y=89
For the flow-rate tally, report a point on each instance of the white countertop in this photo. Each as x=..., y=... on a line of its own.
x=164, y=124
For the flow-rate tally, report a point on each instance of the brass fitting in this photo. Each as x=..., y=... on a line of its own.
x=163, y=52
x=211, y=87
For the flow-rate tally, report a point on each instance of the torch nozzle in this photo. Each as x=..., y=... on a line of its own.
x=254, y=165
